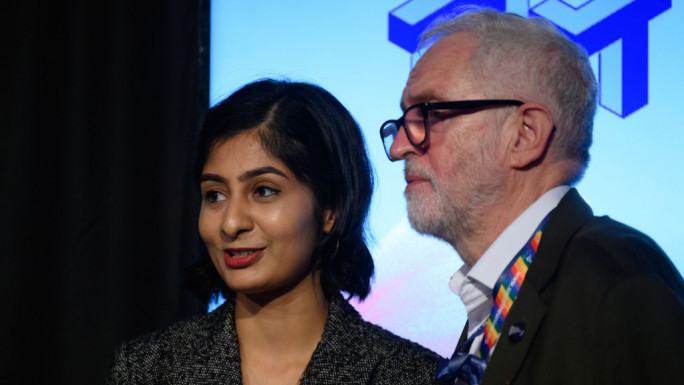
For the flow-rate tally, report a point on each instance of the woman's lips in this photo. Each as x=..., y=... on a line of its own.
x=241, y=258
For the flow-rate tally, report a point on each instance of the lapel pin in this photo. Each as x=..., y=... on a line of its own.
x=516, y=332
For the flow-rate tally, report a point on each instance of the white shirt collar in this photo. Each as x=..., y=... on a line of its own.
x=475, y=284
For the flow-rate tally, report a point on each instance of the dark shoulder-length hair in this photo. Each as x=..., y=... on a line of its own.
x=315, y=136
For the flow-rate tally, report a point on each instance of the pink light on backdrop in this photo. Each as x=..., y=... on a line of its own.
x=410, y=295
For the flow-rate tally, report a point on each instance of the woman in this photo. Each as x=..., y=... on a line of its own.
x=286, y=186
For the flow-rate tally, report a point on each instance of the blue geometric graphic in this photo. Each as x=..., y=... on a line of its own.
x=615, y=29
x=618, y=31
x=409, y=20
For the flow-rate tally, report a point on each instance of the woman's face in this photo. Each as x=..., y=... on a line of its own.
x=256, y=218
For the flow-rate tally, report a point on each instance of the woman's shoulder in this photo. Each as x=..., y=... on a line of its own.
x=181, y=333
x=386, y=357
x=388, y=342
x=378, y=338
x=168, y=352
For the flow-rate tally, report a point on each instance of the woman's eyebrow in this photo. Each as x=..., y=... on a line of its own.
x=244, y=176
x=261, y=171
x=213, y=178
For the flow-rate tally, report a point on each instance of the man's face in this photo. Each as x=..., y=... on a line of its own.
x=459, y=174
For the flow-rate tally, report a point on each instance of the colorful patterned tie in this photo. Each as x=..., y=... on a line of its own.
x=506, y=290
x=468, y=367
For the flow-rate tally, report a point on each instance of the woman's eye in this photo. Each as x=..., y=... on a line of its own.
x=213, y=196
x=265, y=191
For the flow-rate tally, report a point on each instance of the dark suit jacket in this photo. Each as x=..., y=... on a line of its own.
x=205, y=351
x=601, y=304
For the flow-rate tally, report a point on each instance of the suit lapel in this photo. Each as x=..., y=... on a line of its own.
x=462, y=339
x=527, y=312
x=568, y=217
x=464, y=335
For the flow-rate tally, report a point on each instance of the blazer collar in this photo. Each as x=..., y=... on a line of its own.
x=216, y=344
x=567, y=218
x=529, y=308
x=344, y=341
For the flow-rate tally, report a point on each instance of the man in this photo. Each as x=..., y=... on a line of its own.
x=580, y=299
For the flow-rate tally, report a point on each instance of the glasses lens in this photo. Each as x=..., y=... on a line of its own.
x=388, y=132
x=415, y=125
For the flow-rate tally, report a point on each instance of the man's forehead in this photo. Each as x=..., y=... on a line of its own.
x=409, y=87
x=444, y=68
x=418, y=90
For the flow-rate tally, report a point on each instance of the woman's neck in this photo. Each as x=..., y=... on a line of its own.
x=278, y=334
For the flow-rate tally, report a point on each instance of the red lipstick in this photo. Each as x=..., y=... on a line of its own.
x=241, y=258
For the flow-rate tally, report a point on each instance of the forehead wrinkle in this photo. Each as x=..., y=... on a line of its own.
x=423, y=87
x=444, y=71
x=423, y=96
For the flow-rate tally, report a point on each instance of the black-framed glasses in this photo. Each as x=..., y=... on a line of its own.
x=416, y=119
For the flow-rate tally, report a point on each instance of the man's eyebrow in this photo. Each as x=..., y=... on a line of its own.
x=421, y=99
x=261, y=171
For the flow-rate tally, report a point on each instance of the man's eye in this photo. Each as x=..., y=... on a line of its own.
x=213, y=196
x=445, y=114
x=436, y=114
x=265, y=191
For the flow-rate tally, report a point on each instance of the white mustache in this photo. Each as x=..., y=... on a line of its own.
x=416, y=170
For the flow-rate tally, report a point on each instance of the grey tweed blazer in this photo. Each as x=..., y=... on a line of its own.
x=205, y=351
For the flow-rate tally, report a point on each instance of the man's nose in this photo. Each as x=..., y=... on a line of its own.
x=401, y=146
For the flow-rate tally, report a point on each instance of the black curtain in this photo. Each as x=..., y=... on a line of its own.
x=102, y=102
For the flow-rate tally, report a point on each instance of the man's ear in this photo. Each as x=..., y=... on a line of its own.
x=531, y=135
x=328, y=220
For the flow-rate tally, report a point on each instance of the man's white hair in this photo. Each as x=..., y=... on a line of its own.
x=530, y=59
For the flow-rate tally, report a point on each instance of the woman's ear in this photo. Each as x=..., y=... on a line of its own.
x=532, y=135
x=328, y=220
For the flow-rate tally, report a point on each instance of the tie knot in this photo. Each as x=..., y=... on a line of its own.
x=465, y=367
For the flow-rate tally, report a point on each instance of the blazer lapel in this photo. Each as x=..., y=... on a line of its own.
x=464, y=335
x=461, y=339
x=568, y=217
x=527, y=312
x=342, y=343
x=216, y=346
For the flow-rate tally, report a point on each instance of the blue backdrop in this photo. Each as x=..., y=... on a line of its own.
x=362, y=52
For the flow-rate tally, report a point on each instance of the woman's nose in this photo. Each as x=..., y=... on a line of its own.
x=236, y=218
